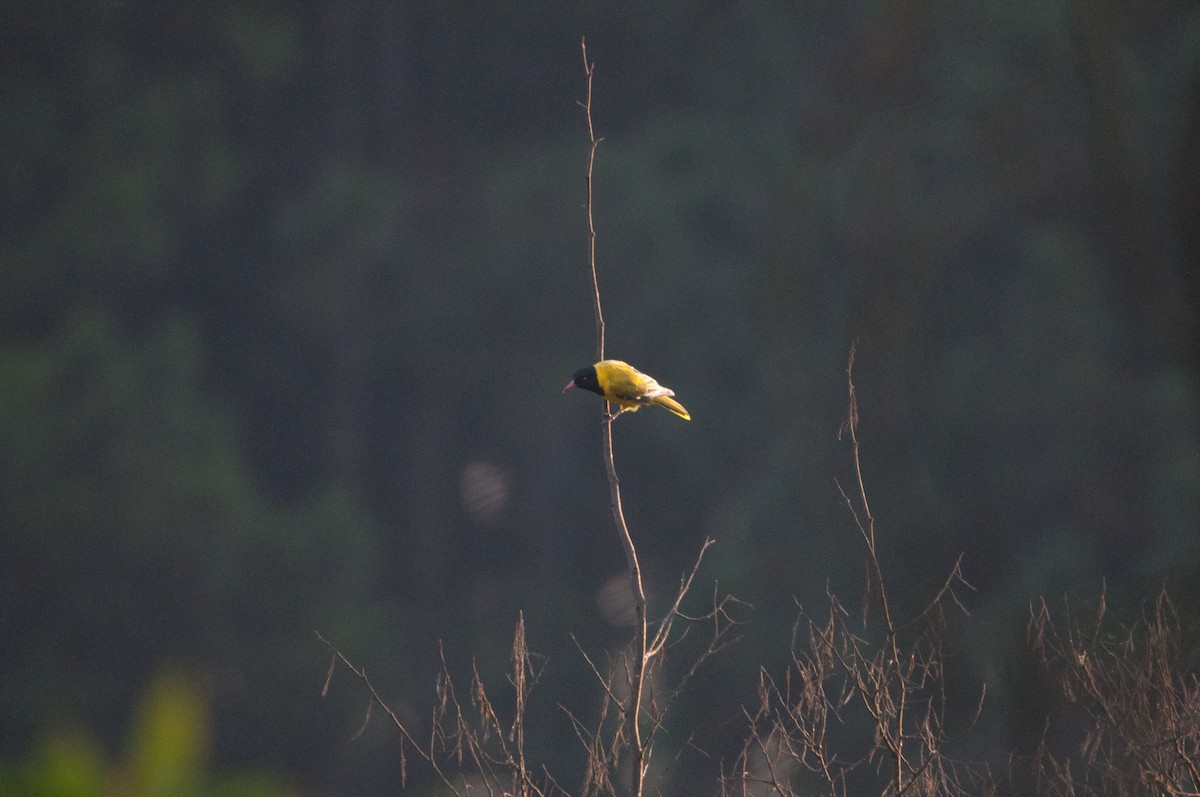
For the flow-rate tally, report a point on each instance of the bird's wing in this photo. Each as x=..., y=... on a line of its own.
x=630, y=384
x=652, y=390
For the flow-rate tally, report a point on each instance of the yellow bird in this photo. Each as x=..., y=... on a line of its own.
x=622, y=384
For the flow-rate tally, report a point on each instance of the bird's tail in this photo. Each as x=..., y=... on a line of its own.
x=672, y=405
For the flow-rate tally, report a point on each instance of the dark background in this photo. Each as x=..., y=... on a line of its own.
x=288, y=294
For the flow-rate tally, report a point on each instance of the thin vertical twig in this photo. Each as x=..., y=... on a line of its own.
x=637, y=674
x=894, y=739
x=589, y=69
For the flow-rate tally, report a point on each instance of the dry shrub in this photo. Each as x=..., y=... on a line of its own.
x=1137, y=693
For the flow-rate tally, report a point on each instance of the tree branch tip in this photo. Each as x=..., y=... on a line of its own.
x=329, y=675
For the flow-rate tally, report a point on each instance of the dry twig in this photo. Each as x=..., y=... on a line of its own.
x=841, y=679
x=1139, y=693
x=637, y=674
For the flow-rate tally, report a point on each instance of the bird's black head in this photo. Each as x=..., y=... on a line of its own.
x=586, y=379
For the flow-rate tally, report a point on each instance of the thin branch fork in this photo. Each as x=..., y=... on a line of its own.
x=429, y=756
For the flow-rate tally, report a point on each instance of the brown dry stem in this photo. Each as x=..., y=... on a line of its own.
x=884, y=681
x=640, y=663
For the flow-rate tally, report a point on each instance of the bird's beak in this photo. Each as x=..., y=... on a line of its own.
x=570, y=385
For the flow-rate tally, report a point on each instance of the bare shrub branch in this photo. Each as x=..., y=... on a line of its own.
x=1140, y=696
x=640, y=657
x=854, y=714
x=471, y=735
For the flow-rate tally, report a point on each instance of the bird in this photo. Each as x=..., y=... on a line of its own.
x=622, y=384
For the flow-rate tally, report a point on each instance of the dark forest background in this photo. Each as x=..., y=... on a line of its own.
x=288, y=294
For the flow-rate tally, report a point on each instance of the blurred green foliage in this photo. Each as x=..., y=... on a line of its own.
x=168, y=751
x=288, y=294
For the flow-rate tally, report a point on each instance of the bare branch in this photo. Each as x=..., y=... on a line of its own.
x=633, y=708
x=376, y=699
x=889, y=675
